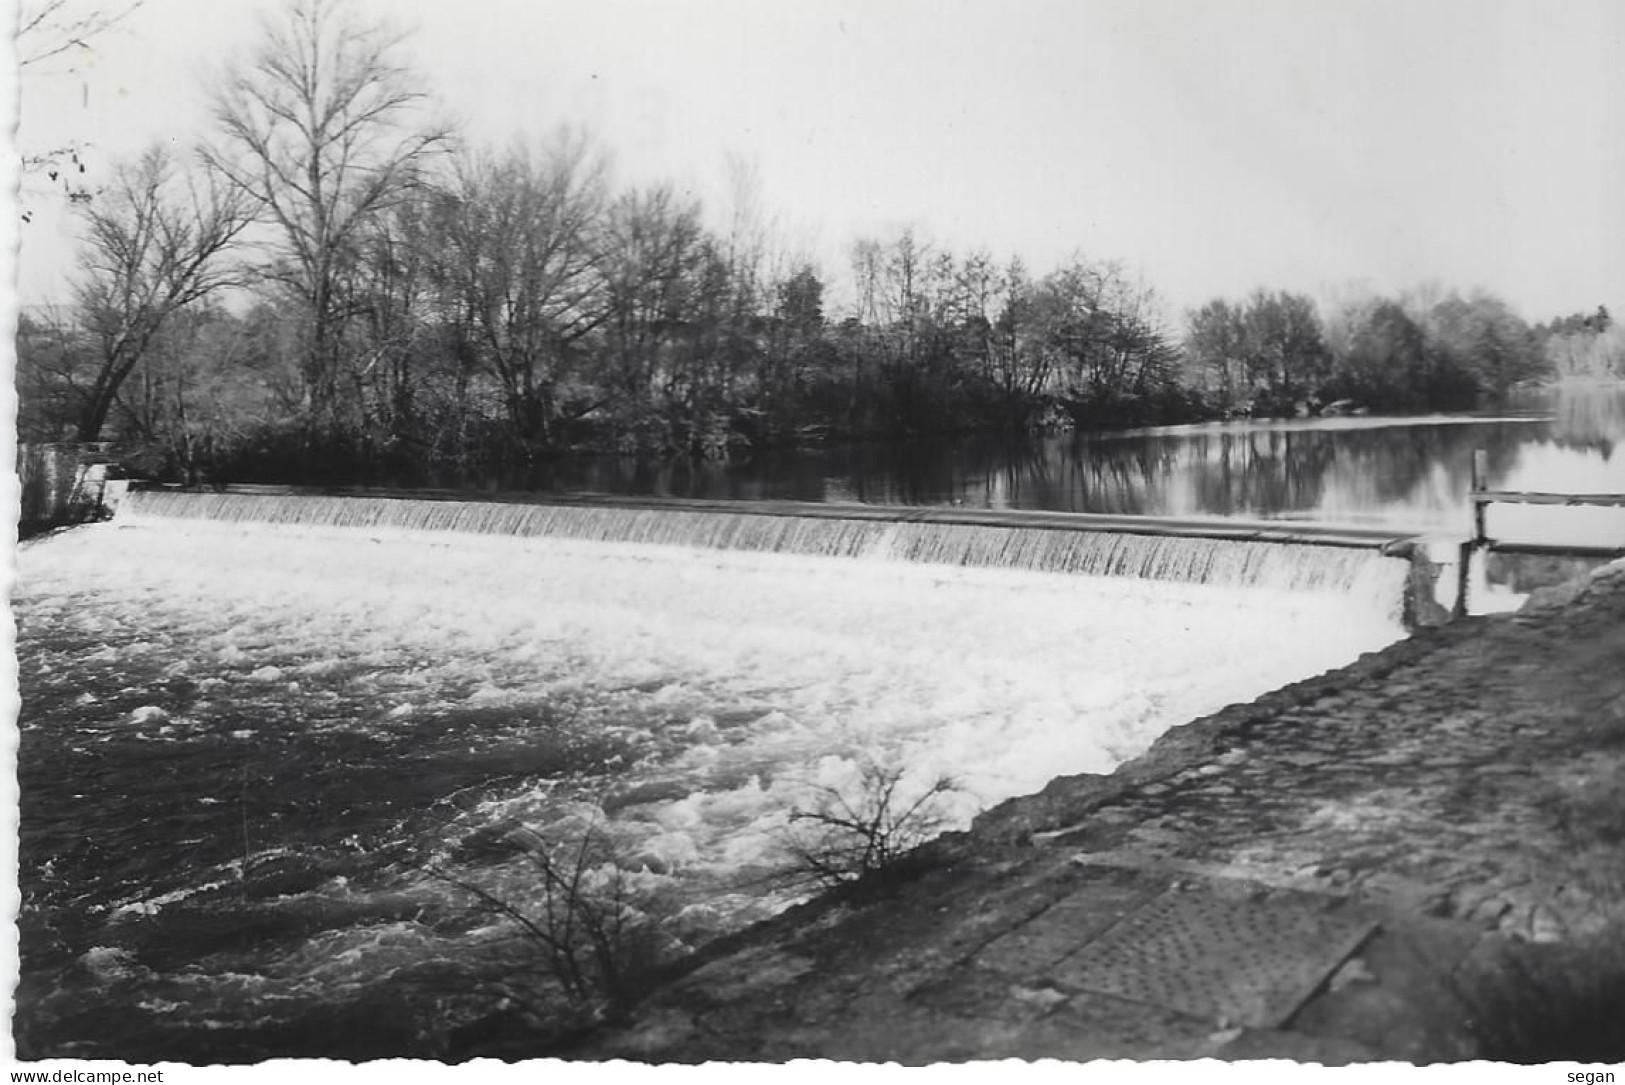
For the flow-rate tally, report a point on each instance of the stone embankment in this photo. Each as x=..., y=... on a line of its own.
x=1420, y=857
x=64, y=484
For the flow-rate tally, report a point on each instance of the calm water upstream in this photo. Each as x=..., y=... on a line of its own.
x=1408, y=472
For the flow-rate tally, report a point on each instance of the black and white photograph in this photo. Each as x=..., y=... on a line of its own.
x=571, y=534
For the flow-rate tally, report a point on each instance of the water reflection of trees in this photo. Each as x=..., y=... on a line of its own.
x=1130, y=476
x=1260, y=473
x=1588, y=417
x=1416, y=474
x=912, y=472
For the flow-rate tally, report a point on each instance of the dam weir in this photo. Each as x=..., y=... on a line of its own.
x=318, y=723
x=1388, y=569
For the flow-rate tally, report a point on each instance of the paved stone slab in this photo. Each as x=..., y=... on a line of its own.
x=1249, y=962
x=1035, y=947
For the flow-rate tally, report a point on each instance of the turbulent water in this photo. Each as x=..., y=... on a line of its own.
x=254, y=756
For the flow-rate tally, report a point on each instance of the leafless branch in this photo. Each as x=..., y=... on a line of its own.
x=52, y=28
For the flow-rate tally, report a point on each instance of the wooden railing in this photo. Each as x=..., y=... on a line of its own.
x=1482, y=497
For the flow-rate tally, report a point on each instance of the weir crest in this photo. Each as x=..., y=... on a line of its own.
x=1355, y=564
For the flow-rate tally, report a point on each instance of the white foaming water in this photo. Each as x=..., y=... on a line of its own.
x=736, y=684
x=743, y=680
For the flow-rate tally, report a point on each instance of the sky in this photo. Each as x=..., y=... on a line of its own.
x=1213, y=147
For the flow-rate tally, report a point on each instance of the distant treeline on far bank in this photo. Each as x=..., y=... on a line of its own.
x=300, y=302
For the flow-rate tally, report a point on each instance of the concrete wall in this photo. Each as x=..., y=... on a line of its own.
x=63, y=484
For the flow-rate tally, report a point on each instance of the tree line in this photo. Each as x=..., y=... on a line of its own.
x=335, y=284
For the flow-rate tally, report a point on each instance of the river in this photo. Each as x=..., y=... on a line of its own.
x=1412, y=473
x=251, y=758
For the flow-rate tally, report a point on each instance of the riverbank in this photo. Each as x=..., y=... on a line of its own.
x=1417, y=857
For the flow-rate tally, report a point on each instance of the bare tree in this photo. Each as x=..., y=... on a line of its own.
x=60, y=30
x=321, y=127
x=207, y=382
x=865, y=829
x=54, y=28
x=654, y=247
x=1215, y=353
x=51, y=373
x=747, y=240
x=522, y=253
x=596, y=932
x=1020, y=365
x=153, y=245
x=1106, y=332
x=889, y=277
x=387, y=290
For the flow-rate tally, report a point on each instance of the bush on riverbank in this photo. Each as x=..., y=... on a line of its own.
x=590, y=928
x=852, y=833
x=1550, y=1003
x=1565, y=1001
